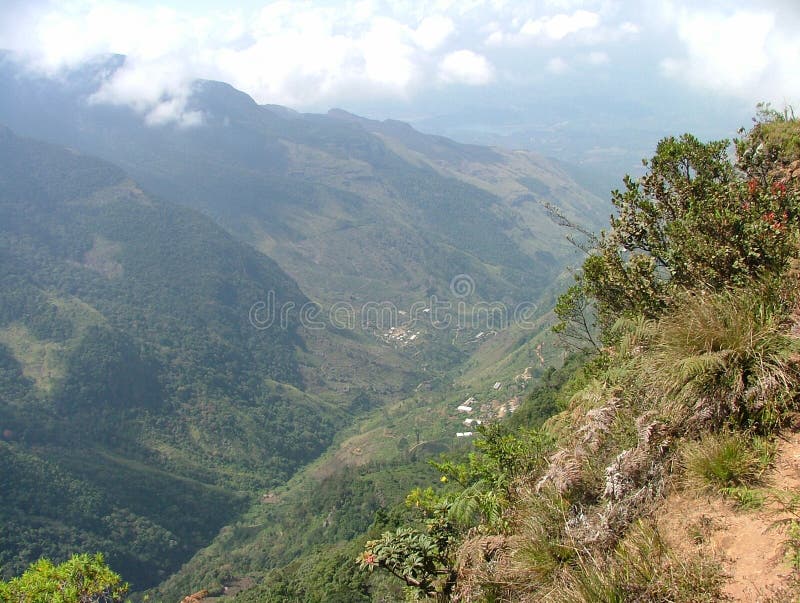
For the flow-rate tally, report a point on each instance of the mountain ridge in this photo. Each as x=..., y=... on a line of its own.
x=297, y=186
x=132, y=308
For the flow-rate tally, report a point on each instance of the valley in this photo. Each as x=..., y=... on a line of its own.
x=377, y=302
x=182, y=387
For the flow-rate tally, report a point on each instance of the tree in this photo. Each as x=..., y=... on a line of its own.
x=81, y=579
x=577, y=328
x=696, y=219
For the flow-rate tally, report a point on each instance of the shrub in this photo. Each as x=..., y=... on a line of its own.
x=413, y=556
x=475, y=500
x=696, y=219
x=81, y=579
x=725, y=356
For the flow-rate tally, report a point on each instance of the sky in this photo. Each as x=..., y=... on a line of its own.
x=466, y=67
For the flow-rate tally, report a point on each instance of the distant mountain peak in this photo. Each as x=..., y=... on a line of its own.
x=282, y=111
x=345, y=115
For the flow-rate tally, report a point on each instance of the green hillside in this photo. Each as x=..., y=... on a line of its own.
x=353, y=210
x=139, y=408
x=154, y=397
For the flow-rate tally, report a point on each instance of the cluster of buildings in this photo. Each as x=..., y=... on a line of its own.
x=402, y=335
x=479, y=413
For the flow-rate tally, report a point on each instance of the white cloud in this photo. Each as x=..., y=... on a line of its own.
x=312, y=54
x=743, y=53
x=433, y=31
x=557, y=65
x=173, y=111
x=159, y=91
x=560, y=26
x=295, y=53
x=547, y=29
x=465, y=67
x=161, y=46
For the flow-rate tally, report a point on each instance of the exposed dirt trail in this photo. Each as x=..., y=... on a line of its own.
x=748, y=544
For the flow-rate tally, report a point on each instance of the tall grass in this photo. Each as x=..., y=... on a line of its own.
x=720, y=462
x=726, y=357
x=642, y=568
x=546, y=547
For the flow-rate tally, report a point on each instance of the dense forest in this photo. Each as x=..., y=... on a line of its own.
x=139, y=409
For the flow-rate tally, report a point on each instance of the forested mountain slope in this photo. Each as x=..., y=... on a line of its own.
x=354, y=210
x=135, y=376
x=139, y=407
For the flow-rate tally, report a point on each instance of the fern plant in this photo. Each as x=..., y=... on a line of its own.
x=726, y=356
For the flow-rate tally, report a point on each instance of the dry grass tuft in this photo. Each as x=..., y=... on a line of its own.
x=642, y=569
x=482, y=567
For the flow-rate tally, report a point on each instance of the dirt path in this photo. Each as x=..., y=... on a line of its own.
x=748, y=544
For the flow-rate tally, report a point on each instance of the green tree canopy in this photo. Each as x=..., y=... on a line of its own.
x=81, y=579
x=698, y=218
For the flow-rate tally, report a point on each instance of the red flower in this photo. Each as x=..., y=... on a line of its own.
x=752, y=186
x=778, y=188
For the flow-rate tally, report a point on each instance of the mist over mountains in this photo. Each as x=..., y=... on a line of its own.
x=319, y=190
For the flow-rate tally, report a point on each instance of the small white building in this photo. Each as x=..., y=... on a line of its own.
x=496, y=385
x=463, y=434
x=464, y=408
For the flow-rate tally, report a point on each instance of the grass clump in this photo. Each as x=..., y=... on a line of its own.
x=546, y=547
x=642, y=568
x=726, y=463
x=726, y=357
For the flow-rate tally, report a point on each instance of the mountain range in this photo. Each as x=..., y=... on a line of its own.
x=353, y=209
x=143, y=405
